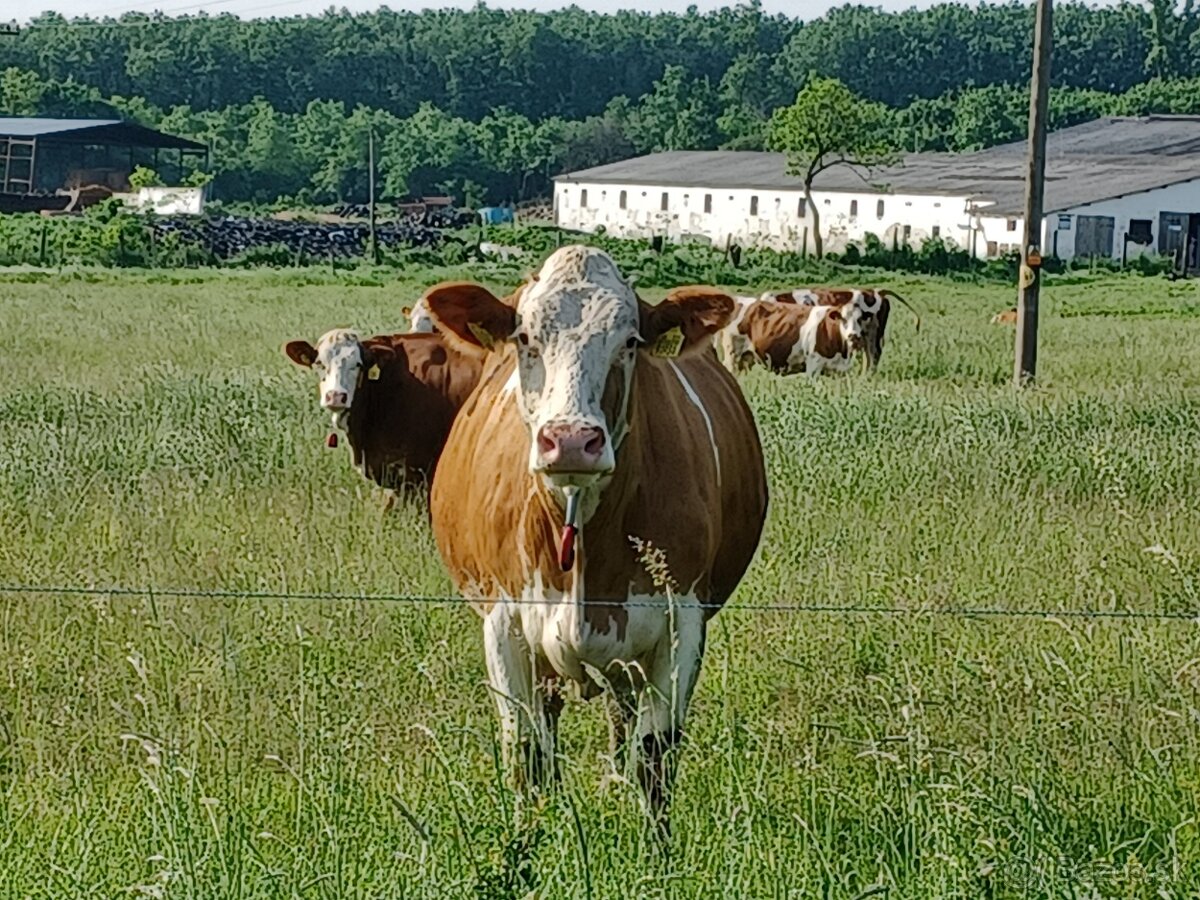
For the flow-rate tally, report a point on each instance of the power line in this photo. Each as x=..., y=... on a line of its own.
x=421, y=600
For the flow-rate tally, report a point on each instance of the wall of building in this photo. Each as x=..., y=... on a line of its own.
x=1061, y=229
x=775, y=219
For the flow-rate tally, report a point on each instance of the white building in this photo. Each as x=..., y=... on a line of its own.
x=1114, y=187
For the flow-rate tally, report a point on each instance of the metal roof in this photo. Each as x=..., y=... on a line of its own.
x=112, y=132
x=1088, y=163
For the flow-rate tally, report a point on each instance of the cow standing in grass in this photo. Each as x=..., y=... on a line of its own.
x=393, y=396
x=599, y=498
x=869, y=307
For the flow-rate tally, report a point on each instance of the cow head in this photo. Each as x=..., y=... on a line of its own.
x=341, y=361
x=578, y=330
x=419, y=320
x=856, y=318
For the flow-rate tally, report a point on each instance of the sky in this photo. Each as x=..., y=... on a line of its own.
x=804, y=9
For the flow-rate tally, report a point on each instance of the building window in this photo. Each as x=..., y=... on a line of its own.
x=879, y=210
x=664, y=202
x=754, y=205
x=708, y=203
x=853, y=210
x=583, y=199
x=800, y=207
x=1140, y=231
x=937, y=231
x=623, y=200
x=1012, y=224
x=907, y=232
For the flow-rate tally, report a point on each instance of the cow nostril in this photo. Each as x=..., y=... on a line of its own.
x=595, y=444
x=546, y=443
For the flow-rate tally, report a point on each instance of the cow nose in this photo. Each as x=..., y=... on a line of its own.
x=565, y=447
x=336, y=399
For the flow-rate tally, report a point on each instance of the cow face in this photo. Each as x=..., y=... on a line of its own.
x=419, y=320
x=578, y=330
x=341, y=361
x=856, y=319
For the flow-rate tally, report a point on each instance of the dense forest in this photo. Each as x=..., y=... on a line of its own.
x=489, y=104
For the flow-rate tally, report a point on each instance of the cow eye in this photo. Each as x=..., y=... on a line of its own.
x=632, y=343
x=523, y=338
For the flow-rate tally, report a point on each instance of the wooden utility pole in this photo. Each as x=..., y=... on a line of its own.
x=371, y=195
x=1030, y=281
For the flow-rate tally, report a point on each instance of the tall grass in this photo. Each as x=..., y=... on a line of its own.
x=152, y=434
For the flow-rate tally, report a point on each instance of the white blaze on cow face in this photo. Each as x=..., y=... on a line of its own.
x=419, y=319
x=576, y=340
x=339, y=362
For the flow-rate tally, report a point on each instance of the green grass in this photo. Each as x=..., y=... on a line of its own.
x=152, y=434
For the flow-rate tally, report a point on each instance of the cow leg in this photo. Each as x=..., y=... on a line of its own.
x=527, y=719
x=670, y=678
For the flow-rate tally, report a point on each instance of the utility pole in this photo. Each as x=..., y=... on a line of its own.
x=1025, y=361
x=371, y=195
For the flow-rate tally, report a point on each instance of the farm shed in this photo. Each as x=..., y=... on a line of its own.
x=44, y=163
x=1114, y=187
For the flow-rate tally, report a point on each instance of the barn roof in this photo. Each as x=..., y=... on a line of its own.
x=1087, y=163
x=112, y=132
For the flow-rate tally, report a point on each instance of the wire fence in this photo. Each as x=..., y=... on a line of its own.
x=965, y=612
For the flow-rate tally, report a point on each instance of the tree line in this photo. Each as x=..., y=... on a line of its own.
x=489, y=104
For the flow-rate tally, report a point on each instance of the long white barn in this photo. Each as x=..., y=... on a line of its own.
x=1116, y=187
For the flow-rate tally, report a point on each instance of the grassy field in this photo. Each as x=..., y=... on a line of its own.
x=152, y=434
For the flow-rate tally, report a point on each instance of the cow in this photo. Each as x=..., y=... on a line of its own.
x=599, y=498
x=872, y=305
x=790, y=337
x=1007, y=317
x=394, y=396
x=419, y=320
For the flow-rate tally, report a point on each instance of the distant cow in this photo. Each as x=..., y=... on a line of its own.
x=1007, y=317
x=419, y=320
x=789, y=337
x=872, y=305
x=604, y=433
x=394, y=396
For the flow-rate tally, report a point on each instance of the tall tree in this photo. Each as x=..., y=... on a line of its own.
x=829, y=125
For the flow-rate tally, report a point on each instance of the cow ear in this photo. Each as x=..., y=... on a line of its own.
x=835, y=313
x=685, y=321
x=471, y=315
x=300, y=352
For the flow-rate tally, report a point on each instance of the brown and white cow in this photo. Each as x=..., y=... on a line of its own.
x=789, y=337
x=601, y=425
x=1006, y=317
x=871, y=305
x=394, y=396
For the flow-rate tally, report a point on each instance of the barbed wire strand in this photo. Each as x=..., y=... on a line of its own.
x=756, y=607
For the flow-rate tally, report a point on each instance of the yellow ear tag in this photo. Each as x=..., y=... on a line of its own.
x=373, y=373
x=669, y=343
x=482, y=335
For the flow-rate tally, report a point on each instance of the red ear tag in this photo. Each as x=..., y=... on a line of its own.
x=332, y=440
x=566, y=551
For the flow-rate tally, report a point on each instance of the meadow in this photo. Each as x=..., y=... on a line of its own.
x=1047, y=745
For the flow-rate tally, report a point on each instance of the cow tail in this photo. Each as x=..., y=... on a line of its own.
x=916, y=316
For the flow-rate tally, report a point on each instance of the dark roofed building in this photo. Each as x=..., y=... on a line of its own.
x=40, y=157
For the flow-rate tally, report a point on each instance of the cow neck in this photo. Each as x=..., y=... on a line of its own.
x=602, y=509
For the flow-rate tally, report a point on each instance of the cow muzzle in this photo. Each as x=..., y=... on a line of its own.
x=572, y=449
x=335, y=401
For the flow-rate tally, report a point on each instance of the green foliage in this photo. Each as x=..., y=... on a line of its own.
x=142, y=177
x=829, y=126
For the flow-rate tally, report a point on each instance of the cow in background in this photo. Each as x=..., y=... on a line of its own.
x=393, y=396
x=790, y=338
x=871, y=305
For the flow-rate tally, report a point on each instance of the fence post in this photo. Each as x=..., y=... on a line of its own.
x=42, y=250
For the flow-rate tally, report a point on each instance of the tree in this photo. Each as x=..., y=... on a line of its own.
x=829, y=125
